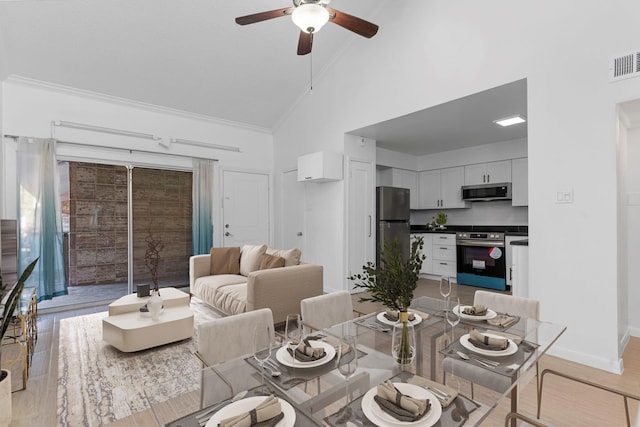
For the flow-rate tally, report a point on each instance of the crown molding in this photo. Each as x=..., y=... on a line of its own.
x=96, y=96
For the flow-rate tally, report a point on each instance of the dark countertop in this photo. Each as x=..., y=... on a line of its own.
x=510, y=230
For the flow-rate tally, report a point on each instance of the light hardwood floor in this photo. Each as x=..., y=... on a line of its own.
x=564, y=404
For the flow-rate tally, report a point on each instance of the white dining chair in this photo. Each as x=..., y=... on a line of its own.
x=323, y=311
x=501, y=303
x=227, y=338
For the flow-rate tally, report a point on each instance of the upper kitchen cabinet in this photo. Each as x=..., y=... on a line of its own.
x=402, y=178
x=485, y=173
x=441, y=188
x=320, y=167
x=520, y=182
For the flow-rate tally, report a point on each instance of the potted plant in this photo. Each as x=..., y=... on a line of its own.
x=392, y=283
x=441, y=219
x=10, y=306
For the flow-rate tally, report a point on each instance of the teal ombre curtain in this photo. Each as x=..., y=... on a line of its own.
x=40, y=216
x=202, y=195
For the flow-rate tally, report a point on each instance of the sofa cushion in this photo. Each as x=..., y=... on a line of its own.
x=250, y=258
x=231, y=299
x=271, y=261
x=205, y=287
x=291, y=256
x=225, y=260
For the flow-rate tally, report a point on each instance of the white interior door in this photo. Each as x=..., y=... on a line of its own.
x=361, y=205
x=245, y=208
x=292, y=211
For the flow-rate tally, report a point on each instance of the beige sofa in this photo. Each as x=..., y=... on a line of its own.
x=280, y=289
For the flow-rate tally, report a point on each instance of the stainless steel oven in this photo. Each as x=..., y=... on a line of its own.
x=481, y=259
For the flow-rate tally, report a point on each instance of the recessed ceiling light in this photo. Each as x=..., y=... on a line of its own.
x=508, y=121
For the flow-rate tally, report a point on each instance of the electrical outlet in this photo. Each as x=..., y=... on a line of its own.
x=564, y=196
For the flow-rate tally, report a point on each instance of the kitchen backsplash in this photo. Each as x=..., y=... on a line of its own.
x=481, y=213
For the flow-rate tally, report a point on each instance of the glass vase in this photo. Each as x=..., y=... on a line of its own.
x=403, y=341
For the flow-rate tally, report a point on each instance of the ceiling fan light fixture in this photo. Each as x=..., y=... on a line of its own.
x=509, y=121
x=310, y=17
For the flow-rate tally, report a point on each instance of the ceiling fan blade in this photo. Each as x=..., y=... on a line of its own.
x=305, y=43
x=352, y=23
x=263, y=16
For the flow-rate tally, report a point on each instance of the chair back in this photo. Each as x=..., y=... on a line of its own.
x=229, y=337
x=504, y=303
x=326, y=310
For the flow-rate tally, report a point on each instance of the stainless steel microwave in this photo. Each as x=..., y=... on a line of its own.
x=487, y=192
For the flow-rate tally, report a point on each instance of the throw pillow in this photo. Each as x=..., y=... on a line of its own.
x=250, y=258
x=291, y=256
x=271, y=261
x=225, y=260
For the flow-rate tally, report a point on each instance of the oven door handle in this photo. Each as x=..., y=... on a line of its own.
x=479, y=244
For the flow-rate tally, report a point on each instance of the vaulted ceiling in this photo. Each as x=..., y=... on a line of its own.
x=190, y=55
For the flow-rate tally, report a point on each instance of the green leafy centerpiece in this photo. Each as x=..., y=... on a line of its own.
x=392, y=283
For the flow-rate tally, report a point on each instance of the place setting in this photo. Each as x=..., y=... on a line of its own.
x=503, y=353
x=484, y=315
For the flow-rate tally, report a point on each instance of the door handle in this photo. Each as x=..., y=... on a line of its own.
x=369, y=225
x=227, y=234
x=299, y=233
x=488, y=180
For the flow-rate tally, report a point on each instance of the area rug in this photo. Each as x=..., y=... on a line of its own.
x=98, y=384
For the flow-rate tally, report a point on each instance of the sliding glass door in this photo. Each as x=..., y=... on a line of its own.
x=96, y=206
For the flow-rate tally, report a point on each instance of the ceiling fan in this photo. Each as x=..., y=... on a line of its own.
x=310, y=16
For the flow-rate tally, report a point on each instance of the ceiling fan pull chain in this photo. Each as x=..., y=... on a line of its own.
x=311, y=72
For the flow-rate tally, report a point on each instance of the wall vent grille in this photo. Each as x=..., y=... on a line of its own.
x=624, y=66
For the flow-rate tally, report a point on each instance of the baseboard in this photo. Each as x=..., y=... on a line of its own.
x=613, y=366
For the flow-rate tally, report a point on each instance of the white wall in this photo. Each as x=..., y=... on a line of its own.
x=433, y=52
x=29, y=108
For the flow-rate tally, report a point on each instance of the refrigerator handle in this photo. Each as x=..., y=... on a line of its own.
x=369, y=225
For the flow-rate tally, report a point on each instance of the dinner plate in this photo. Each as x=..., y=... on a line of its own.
x=283, y=356
x=417, y=319
x=511, y=348
x=490, y=314
x=379, y=417
x=249, y=403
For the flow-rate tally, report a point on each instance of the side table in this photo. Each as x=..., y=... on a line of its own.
x=23, y=333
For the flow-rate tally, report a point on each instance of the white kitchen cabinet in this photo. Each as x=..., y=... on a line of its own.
x=441, y=188
x=427, y=251
x=320, y=167
x=444, y=254
x=486, y=173
x=402, y=178
x=520, y=182
x=520, y=271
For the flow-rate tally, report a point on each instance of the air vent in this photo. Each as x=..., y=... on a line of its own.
x=624, y=66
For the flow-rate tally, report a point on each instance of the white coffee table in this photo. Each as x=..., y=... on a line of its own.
x=128, y=329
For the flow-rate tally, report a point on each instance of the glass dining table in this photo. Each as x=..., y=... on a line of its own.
x=316, y=394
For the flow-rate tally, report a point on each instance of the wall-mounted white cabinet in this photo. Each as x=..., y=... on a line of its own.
x=402, y=178
x=441, y=188
x=320, y=167
x=486, y=173
x=520, y=182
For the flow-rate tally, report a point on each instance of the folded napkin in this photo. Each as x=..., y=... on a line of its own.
x=475, y=310
x=305, y=352
x=485, y=342
x=503, y=320
x=399, y=406
x=513, y=337
x=267, y=414
x=394, y=315
x=434, y=387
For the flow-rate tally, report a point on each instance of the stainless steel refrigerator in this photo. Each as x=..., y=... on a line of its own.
x=392, y=207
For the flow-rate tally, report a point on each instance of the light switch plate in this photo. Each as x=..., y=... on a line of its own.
x=564, y=196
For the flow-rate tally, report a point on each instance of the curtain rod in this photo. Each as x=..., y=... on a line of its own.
x=130, y=150
x=162, y=141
